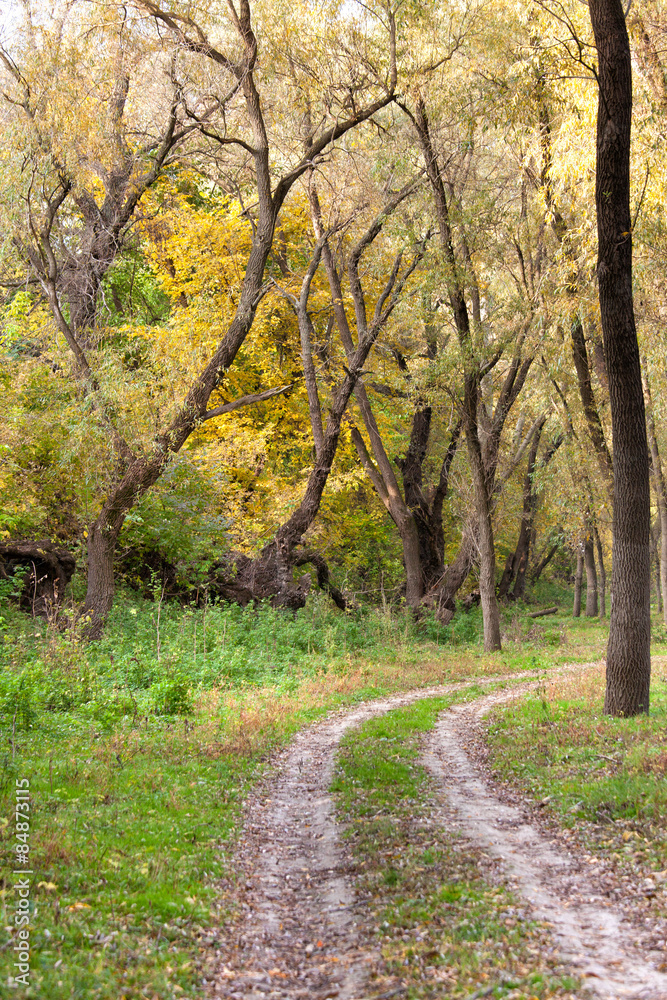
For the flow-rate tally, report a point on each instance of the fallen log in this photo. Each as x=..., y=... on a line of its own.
x=541, y=614
x=48, y=568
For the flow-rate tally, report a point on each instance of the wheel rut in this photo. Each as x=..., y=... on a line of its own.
x=302, y=935
x=593, y=939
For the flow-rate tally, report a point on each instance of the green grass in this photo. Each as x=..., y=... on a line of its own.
x=139, y=749
x=138, y=757
x=604, y=778
x=444, y=929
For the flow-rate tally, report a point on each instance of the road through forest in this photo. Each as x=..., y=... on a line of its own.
x=302, y=934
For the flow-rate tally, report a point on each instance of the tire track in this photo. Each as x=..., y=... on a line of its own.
x=594, y=940
x=303, y=936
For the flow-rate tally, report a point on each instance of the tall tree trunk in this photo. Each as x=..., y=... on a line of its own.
x=660, y=490
x=628, y=650
x=602, y=574
x=487, y=552
x=430, y=554
x=102, y=540
x=655, y=554
x=507, y=577
x=399, y=513
x=591, y=578
x=578, y=577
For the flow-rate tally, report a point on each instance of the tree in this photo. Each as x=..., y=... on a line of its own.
x=345, y=106
x=628, y=650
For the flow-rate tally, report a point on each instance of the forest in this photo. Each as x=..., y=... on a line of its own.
x=332, y=368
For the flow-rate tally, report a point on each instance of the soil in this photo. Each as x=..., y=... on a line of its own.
x=301, y=932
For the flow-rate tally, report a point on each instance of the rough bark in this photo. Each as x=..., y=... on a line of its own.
x=591, y=578
x=602, y=575
x=578, y=576
x=628, y=651
x=660, y=487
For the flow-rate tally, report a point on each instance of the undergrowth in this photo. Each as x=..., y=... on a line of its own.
x=139, y=749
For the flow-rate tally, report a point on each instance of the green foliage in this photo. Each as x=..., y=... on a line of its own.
x=131, y=291
x=181, y=520
x=172, y=696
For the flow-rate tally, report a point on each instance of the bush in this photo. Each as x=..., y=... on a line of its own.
x=17, y=698
x=172, y=696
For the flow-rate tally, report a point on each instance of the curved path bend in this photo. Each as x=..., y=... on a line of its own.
x=303, y=936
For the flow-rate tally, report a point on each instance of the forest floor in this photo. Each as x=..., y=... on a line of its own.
x=184, y=766
x=366, y=871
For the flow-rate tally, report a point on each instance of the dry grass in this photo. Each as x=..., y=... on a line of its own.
x=250, y=721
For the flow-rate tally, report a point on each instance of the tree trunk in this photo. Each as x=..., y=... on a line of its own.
x=507, y=577
x=487, y=552
x=382, y=474
x=628, y=651
x=430, y=552
x=100, y=590
x=660, y=491
x=576, y=610
x=663, y=569
x=602, y=574
x=519, y=561
x=456, y=574
x=655, y=555
x=591, y=578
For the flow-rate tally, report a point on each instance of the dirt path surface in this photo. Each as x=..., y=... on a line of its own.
x=594, y=938
x=303, y=936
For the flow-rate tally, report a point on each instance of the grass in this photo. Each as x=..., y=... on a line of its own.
x=140, y=748
x=600, y=778
x=443, y=927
